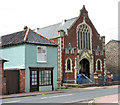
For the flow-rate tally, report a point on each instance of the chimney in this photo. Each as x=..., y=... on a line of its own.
x=61, y=33
x=25, y=27
x=63, y=21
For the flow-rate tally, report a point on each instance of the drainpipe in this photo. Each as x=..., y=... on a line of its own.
x=75, y=67
x=63, y=80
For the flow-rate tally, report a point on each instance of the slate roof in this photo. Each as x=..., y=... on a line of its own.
x=52, y=30
x=26, y=36
x=116, y=41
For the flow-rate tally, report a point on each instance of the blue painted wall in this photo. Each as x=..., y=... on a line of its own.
x=31, y=61
x=24, y=56
x=15, y=56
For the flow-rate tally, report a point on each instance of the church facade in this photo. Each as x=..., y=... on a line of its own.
x=80, y=48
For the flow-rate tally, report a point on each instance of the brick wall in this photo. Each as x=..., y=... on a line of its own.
x=2, y=79
x=71, y=38
x=22, y=80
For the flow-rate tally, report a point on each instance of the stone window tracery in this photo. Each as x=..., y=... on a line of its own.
x=83, y=37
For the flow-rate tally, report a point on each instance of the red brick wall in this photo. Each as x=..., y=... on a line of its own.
x=22, y=80
x=72, y=38
x=2, y=79
x=1, y=69
x=57, y=41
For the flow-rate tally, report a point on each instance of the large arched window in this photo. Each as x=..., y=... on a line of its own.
x=68, y=65
x=83, y=37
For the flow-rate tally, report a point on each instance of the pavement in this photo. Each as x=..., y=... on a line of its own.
x=107, y=99
x=28, y=94
x=103, y=99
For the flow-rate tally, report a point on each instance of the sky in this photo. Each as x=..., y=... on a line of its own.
x=15, y=14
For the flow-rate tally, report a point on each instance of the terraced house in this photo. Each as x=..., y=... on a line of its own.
x=32, y=62
x=81, y=48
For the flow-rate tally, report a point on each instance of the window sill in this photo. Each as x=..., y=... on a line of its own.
x=99, y=70
x=41, y=61
x=68, y=71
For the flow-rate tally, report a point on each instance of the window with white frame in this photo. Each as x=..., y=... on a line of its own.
x=99, y=65
x=68, y=64
x=41, y=54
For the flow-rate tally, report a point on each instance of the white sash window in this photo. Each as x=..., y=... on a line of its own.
x=41, y=54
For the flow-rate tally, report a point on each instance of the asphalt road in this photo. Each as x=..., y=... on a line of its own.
x=72, y=96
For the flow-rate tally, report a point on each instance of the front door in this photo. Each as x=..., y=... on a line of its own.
x=12, y=81
x=34, y=86
x=84, y=63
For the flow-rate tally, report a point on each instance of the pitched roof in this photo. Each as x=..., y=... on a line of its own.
x=52, y=30
x=115, y=41
x=26, y=36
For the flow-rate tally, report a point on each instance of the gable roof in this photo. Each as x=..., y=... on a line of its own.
x=26, y=36
x=52, y=30
x=115, y=41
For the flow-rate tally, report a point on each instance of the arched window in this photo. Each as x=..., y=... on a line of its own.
x=83, y=37
x=68, y=65
x=98, y=65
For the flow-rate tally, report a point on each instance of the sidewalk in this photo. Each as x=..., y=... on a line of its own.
x=29, y=94
x=53, y=92
x=107, y=99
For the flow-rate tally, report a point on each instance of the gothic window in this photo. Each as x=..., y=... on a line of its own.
x=66, y=51
x=98, y=65
x=83, y=37
x=72, y=51
x=68, y=64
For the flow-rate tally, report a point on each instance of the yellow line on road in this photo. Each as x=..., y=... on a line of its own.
x=92, y=101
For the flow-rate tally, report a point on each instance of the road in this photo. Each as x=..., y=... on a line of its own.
x=73, y=96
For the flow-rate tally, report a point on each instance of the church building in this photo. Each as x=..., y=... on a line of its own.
x=80, y=48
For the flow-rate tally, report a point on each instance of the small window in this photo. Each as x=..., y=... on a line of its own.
x=68, y=64
x=66, y=51
x=72, y=51
x=41, y=54
x=98, y=64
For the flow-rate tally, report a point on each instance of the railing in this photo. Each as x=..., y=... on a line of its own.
x=89, y=80
x=85, y=79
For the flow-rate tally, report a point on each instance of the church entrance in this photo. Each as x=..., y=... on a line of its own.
x=84, y=67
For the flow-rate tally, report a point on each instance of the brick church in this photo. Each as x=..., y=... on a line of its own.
x=80, y=47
